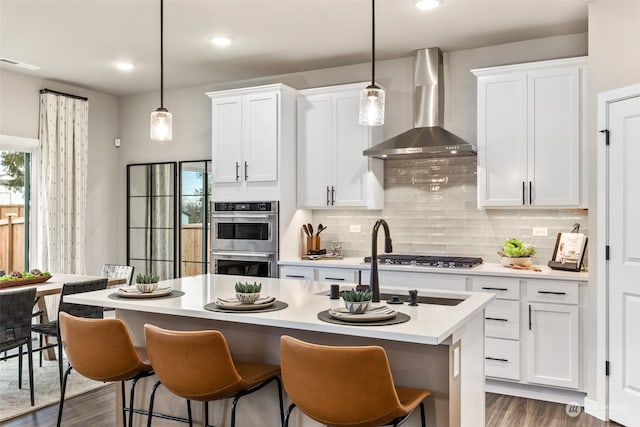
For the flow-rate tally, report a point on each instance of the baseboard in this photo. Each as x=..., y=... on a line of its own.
x=594, y=409
x=547, y=394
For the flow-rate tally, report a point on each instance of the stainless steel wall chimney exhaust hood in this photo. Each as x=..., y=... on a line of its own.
x=427, y=138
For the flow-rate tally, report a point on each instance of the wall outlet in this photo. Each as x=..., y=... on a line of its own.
x=540, y=231
x=355, y=228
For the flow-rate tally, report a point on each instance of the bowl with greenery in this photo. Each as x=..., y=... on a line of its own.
x=356, y=302
x=248, y=293
x=147, y=283
x=516, y=252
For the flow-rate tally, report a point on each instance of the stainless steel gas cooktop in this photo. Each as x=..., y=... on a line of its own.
x=427, y=260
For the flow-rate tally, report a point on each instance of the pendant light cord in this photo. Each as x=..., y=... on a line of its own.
x=373, y=42
x=161, y=54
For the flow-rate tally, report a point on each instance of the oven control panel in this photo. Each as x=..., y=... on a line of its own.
x=245, y=206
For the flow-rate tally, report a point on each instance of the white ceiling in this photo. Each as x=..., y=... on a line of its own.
x=79, y=41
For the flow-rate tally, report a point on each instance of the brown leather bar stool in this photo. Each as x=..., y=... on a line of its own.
x=102, y=350
x=197, y=365
x=345, y=386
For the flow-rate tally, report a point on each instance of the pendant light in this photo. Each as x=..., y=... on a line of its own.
x=372, y=97
x=161, y=118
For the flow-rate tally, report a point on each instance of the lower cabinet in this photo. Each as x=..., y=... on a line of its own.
x=296, y=272
x=532, y=331
x=553, y=345
x=417, y=280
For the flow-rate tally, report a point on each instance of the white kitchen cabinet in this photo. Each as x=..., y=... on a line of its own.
x=553, y=345
x=332, y=171
x=336, y=275
x=253, y=139
x=529, y=135
x=553, y=334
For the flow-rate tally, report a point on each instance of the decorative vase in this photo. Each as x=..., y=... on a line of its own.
x=147, y=287
x=357, y=307
x=248, y=298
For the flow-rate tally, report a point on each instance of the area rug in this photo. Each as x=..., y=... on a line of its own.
x=15, y=401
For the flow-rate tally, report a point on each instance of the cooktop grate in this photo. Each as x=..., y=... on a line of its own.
x=428, y=260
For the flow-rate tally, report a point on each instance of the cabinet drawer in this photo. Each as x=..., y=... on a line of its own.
x=502, y=358
x=336, y=275
x=553, y=291
x=294, y=272
x=502, y=319
x=504, y=288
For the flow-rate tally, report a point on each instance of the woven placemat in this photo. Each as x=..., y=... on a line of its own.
x=399, y=318
x=278, y=305
x=174, y=294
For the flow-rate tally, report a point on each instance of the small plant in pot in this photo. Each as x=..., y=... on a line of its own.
x=356, y=302
x=516, y=252
x=248, y=293
x=147, y=282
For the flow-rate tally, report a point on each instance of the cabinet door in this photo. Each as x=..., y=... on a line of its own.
x=260, y=137
x=351, y=139
x=389, y=279
x=554, y=139
x=553, y=344
x=226, y=124
x=502, y=140
x=315, y=149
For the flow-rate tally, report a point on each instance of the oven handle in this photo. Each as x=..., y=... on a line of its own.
x=244, y=254
x=242, y=216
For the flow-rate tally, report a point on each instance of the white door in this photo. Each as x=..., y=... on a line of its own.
x=624, y=261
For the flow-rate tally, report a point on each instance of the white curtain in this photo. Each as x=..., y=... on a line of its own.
x=62, y=193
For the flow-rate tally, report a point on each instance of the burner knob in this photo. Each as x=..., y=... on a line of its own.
x=452, y=264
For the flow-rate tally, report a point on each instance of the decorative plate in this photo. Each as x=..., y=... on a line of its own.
x=133, y=292
x=371, y=315
x=235, y=304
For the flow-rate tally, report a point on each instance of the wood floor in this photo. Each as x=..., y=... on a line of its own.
x=95, y=409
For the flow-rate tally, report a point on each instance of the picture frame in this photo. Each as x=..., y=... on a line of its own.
x=569, y=252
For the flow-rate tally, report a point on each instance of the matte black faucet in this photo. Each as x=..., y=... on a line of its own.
x=374, y=284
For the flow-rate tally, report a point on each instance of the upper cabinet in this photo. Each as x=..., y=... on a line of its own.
x=530, y=135
x=253, y=142
x=332, y=171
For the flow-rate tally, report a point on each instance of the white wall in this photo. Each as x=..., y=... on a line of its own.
x=614, y=61
x=19, y=112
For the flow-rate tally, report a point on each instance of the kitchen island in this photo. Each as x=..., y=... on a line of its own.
x=440, y=348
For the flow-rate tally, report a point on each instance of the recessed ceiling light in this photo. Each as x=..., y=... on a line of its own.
x=427, y=4
x=220, y=41
x=125, y=66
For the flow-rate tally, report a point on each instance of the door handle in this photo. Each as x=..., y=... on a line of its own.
x=523, y=202
x=295, y=276
x=245, y=171
x=328, y=203
x=496, y=318
x=333, y=195
x=237, y=171
x=495, y=289
x=530, y=193
x=334, y=278
x=529, y=316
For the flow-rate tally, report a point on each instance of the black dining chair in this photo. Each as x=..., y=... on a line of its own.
x=52, y=328
x=15, y=327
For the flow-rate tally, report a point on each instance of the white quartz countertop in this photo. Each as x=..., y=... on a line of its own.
x=429, y=324
x=485, y=269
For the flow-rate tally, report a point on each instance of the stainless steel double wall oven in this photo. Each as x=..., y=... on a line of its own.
x=244, y=238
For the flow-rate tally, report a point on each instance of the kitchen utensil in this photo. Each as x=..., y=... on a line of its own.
x=306, y=230
x=310, y=227
x=319, y=229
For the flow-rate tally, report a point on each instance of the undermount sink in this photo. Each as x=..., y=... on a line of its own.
x=422, y=299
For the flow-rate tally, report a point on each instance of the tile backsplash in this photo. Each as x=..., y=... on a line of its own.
x=430, y=206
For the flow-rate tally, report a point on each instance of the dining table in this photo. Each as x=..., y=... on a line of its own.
x=53, y=286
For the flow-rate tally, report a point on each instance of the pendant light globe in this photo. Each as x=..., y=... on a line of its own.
x=161, y=120
x=371, y=111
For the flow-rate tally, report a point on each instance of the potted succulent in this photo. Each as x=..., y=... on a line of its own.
x=356, y=302
x=147, y=282
x=248, y=293
x=516, y=252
